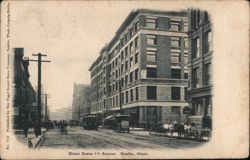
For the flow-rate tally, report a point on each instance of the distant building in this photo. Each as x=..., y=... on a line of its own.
x=24, y=94
x=81, y=102
x=143, y=70
x=200, y=62
x=61, y=114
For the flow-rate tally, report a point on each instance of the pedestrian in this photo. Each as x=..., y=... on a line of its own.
x=26, y=128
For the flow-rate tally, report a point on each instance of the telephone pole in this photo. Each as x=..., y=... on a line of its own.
x=39, y=104
x=46, y=107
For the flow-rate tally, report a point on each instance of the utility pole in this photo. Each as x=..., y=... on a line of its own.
x=46, y=107
x=39, y=104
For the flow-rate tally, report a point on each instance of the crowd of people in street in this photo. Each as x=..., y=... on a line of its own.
x=59, y=124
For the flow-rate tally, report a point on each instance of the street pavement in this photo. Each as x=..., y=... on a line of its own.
x=77, y=137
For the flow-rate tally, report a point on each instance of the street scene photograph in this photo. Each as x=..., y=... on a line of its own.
x=139, y=77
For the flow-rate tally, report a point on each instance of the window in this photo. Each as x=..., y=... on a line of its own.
x=136, y=74
x=136, y=93
x=126, y=52
x=176, y=73
x=122, y=68
x=186, y=75
x=126, y=96
x=151, y=56
x=131, y=95
x=116, y=100
x=205, y=16
x=131, y=77
x=131, y=47
x=195, y=77
x=151, y=39
x=116, y=73
x=151, y=72
x=175, y=93
x=116, y=86
x=122, y=81
x=175, y=41
x=196, y=48
x=151, y=92
x=122, y=98
x=151, y=22
x=126, y=79
x=175, y=110
x=175, y=57
x=208, y=42
x=126, y=65
x=122, y=55
x=137, y=26
x=136, y=42
x=131, y=61
x=175, y=26
x=136, y=58
x=113, y=65
x=113, y=87
x=207, y=70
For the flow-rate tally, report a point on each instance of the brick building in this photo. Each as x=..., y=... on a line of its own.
x=81, y=102
x=200, y=59
x=143, y=70
x=24, y=101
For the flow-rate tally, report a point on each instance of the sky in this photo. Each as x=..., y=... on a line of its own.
x=71, y=34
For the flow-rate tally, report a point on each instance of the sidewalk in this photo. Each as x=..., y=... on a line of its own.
x=36, y=141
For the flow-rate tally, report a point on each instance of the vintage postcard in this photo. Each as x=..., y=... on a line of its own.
x=124, y=79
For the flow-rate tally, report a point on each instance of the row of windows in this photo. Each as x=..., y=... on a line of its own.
x=124, y=67
x=125, y=38
x=207, y=76
x=129, y=78
x=152, y=93
x=175, y=73
x=151, y=22
x=124, y=54
x=207, y=45
x=131, y=95
x=151, y=53
x=197, y=17
x=175, y=41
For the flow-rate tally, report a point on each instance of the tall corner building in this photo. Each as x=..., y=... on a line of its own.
x=143, y=70
x=200, y=59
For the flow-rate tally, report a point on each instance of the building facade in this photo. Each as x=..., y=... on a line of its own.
x=143, y=70
x=200, y=59
x=24, y=101
x=81, y=102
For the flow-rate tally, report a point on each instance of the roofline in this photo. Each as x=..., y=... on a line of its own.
x=128, y=19
x=134, y=13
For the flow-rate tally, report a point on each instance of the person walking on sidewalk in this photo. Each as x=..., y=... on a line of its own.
x=26, y=128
